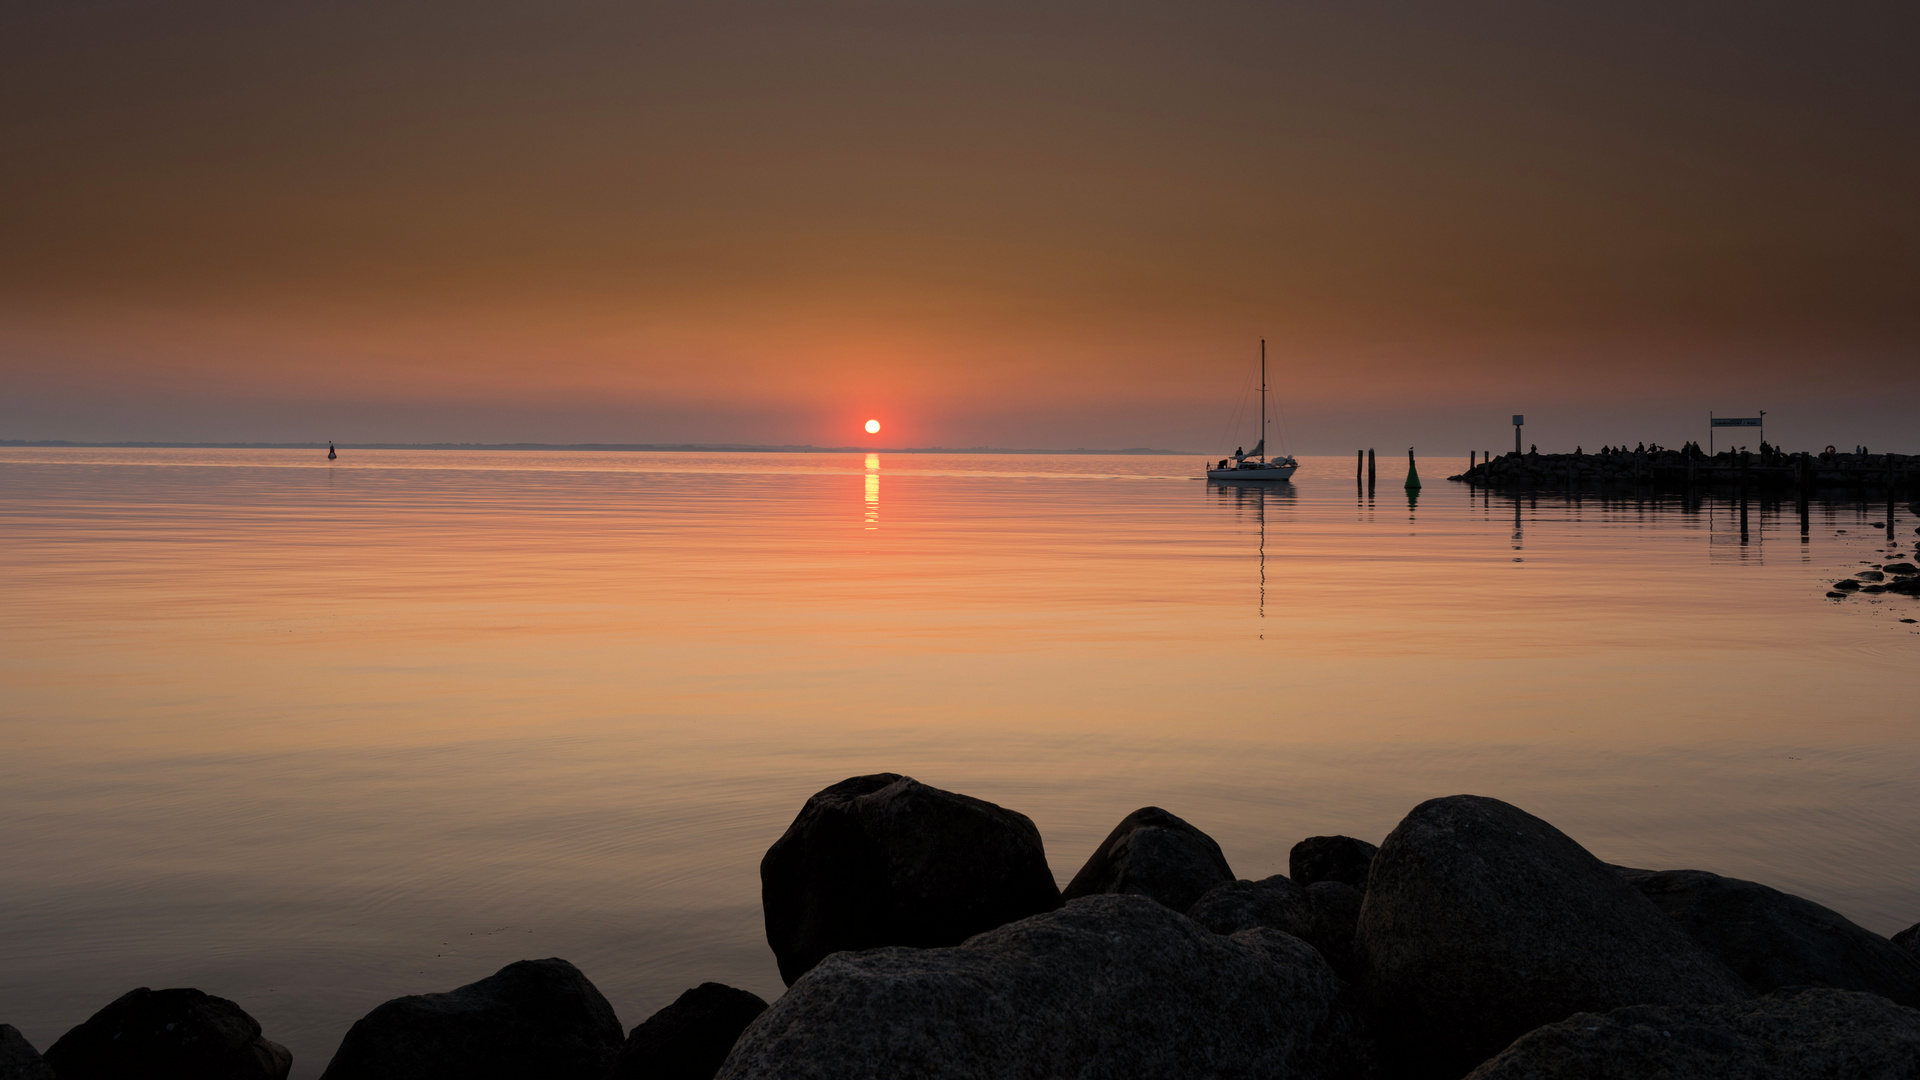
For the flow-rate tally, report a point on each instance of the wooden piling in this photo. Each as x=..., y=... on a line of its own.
x=1370, y=473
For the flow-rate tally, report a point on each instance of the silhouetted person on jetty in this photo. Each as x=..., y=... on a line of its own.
x=331, y=453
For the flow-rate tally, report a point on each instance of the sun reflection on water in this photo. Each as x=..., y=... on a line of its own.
x=873, y=491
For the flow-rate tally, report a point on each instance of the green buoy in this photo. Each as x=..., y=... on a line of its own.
x=1413, y=471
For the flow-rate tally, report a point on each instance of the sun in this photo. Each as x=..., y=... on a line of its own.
x=873, y=427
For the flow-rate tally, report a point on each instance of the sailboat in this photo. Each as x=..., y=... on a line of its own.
x=1243, y=466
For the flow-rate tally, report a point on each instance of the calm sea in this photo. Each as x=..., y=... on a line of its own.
x=313, y=736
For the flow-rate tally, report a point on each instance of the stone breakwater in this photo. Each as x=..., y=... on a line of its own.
x=1893, y=577
x=921, y=935
x=1680, y=470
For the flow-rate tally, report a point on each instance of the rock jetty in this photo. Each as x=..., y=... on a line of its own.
x=1662, y=469
x=1475, y=941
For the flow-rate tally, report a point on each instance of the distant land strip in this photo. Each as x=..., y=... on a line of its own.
x=729, y=448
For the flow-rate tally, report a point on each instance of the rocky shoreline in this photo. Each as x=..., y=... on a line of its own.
x=921, y=934
x=1662, y=469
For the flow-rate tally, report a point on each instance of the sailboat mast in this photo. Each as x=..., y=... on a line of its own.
x=1263, y=399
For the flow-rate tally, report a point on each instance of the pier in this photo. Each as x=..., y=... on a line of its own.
x=1689, y=468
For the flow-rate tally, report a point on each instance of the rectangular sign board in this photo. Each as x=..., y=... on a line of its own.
x=1736, y=421
x=1518, y=420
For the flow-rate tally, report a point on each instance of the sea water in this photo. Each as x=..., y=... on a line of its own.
x=314, y=735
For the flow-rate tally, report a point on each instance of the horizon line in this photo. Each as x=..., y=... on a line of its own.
x=748, y=448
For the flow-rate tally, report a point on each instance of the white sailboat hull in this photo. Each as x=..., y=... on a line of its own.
x=1254, y=472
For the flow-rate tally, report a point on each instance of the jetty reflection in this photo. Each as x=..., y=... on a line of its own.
x=1736, y=526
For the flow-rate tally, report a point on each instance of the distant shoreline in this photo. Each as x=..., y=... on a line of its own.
x=688, y=448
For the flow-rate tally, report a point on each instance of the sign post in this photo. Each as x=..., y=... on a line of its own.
x=1518, y=421
x=1734, y=421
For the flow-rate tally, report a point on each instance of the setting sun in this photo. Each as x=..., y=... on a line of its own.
x=873, y=426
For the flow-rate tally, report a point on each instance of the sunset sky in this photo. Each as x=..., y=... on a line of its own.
x=1033, y=224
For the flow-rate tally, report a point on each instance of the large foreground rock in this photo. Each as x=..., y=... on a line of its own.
x=1772, y=939
x=1154, y=854
x=18, y=1059
x=887, y=860
x=690, y=1038
x=1482, y=922
x=1108, y=986
x=1331, y=858
x=1909, y=939
x=167, y=1034
x=1805, y=1034
x=531, y=1018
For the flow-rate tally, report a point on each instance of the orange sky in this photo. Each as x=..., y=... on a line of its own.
x=1040, y=225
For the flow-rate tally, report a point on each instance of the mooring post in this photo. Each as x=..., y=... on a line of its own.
x=1369, y=468
x=1413, y=472
x=1359, y=465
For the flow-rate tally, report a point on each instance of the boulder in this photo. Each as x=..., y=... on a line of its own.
x=689, y=1039
x=18, y=1059
x=1909, y=939
x=1802, y=1034
x=1154, y=854
x=1331, y=858
x=1107, y=986
x=1772, y=939
x=1274, y=902
x=1482, y=922
x=1870, y=575
x=1336, y=918
x=1848, y=585
x=177, y=1034
x=531, y=1018
x=1901, y=568
x=1323, y=914
x=886, y=860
